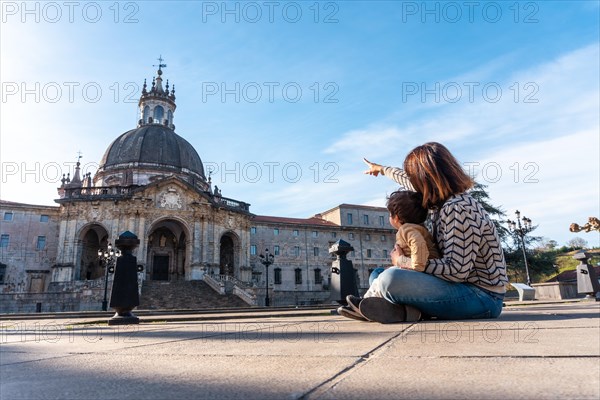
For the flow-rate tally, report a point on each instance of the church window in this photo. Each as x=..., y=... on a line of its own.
x=381, y=220
x=159, y=114
x=276, y=250
x=8, y=216
x=316, y=251
x=298, y=276
x=170, y=117
x=253, y=250
x=253, y=230
x=4, y=240
x=275, y=231
x=146, y=114
x=349, y=218
x=297, y=251
x=41, y=242
x=44, y=218
x=366, y=219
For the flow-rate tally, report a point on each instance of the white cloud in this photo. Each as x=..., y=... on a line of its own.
x=554, y=183
x=554, y=141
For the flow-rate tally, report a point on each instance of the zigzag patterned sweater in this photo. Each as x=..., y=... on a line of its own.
x=467, y=239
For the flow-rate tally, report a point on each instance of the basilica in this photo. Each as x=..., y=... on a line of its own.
x=152, y=182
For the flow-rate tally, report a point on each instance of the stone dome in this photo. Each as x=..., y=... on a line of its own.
x=155, y=148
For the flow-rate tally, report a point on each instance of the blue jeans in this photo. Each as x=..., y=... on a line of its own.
x=436, y=297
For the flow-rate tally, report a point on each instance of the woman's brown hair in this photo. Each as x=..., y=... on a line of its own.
x=435, y=173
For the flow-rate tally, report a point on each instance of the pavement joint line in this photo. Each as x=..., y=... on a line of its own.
x=72, y=332
x=156, y=313
x=109, y=352
x=505, y=356
x=36, y=360
x=81, y=328
x=334, y=380
x=216, y=334
x=208, y=317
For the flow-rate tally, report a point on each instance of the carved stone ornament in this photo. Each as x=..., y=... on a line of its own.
x=170, y=199
x=593, y=224
x=96, y=213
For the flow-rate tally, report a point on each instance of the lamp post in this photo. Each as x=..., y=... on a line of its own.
x=521, y=231
x=108, y=256
x=267, y=260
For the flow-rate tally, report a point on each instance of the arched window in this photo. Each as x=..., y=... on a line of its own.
x=170, y=117
x=159, y=114
x=146, y=114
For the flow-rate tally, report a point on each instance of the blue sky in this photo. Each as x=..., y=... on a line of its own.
x=512, y=88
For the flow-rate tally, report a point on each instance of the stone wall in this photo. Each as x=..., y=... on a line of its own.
x=28, y=249
x=61, y=296
x=292, y=298
x=556, y=291
x=90, y=300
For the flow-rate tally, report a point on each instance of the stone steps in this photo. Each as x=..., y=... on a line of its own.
x=181, y=295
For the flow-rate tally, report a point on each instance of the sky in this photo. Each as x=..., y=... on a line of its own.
x=282, y=99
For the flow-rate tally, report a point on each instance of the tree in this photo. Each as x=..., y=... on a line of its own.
x=577, y=243
x=540, y=263
x=551, y=244
x=480, y=194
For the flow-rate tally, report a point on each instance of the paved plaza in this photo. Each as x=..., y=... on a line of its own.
x=541, y=351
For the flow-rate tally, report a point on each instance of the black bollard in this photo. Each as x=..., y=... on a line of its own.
x=587, y=281
x=124, y=295
x=343, y=275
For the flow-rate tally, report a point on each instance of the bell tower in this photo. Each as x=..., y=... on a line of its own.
x=157, y=105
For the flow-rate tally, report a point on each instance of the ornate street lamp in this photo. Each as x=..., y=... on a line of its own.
x=520, y=231
x=267, y=260
x=108, y=257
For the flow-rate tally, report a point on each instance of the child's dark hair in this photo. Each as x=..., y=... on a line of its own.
x=406, y=205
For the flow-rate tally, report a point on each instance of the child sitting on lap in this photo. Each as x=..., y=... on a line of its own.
x=408, y=215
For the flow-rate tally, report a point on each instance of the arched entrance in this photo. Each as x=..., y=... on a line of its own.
x=226, y=259
x=92, y=238
x=166, y=255
x=228, y=254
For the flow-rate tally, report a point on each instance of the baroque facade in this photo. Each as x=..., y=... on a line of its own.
x=151, y=181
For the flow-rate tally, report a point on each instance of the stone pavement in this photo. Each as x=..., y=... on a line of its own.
x=544, y=351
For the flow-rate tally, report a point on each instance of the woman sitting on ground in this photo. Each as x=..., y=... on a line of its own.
x=469, y=279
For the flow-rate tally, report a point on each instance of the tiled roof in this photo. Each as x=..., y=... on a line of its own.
x=7, y=203
x=294, y=221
